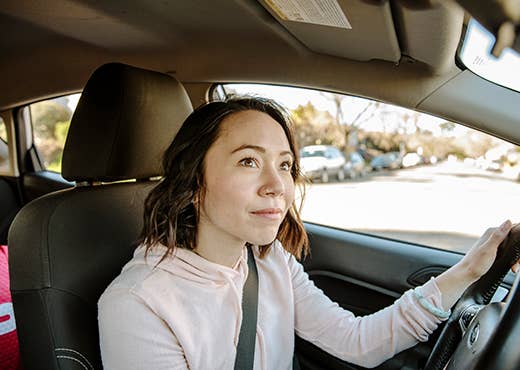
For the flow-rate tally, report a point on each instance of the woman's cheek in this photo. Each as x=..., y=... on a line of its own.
x=289, y=193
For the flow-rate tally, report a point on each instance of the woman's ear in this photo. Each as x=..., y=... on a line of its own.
x=195, y=200
x=198, y=195
x=198, y=198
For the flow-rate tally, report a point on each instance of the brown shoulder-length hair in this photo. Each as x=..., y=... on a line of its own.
x=171, y=211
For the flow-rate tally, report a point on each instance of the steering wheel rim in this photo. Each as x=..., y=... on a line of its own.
x=470, y=337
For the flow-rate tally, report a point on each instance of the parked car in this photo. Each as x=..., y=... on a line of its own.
x=322, y=161
x=390, y=160
x=71, y=238
x=411, y=160
x=355, y=166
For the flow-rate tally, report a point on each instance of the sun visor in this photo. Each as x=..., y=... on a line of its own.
x=430, y=34
x=340, y=27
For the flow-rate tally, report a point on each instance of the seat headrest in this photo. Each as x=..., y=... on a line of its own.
x=125, y=119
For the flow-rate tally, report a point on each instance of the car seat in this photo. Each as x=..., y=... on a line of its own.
x=9, y=349
x=67, y=246
x=9, y=207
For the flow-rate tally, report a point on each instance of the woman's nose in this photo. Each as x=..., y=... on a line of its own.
x=272, y=183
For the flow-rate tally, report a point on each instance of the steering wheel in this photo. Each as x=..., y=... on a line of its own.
x=480, y=335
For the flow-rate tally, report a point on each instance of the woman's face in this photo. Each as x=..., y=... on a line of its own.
x=248, y=183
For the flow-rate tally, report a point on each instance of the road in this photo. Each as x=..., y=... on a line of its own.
x=448, y=205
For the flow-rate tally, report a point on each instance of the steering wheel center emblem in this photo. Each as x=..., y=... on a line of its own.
x=474, y=334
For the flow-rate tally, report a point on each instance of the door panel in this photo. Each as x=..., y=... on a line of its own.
x=365, y=274
x=378, y=261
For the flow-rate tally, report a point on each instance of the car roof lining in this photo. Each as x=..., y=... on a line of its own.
x=164, y=35
x=56, y=45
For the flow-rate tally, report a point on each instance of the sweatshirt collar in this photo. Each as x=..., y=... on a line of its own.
x=190, y=265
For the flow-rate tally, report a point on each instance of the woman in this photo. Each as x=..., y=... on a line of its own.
x=229, y=185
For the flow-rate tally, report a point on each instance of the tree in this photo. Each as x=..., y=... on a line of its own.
x=316, y=127
x=51, y=121
x=46, y=114
x=337, y=99
x=447, y=127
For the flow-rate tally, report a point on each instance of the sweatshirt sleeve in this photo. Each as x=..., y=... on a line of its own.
x=366, y=341
x=133, y=337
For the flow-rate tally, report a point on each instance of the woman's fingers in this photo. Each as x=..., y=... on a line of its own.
x=498, y=234
x=506, y=226
x=503, y=231
x=480, y=258
x=495, y=235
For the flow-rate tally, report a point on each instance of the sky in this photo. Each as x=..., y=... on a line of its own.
x=73, y=101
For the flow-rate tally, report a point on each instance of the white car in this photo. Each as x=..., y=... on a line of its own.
x=322, y=161
x=411, y=160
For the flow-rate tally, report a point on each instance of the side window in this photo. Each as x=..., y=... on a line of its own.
x=50, y=121
x=5, y=165
x=407, y=175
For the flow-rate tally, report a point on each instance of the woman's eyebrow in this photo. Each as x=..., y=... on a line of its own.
x=259, y=149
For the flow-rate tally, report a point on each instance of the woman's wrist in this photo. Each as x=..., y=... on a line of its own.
x=465, y=272
x=453, y=282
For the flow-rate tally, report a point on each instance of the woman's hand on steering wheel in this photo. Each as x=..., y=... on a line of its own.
x=469, y=339
x=481, y=256
x=475, y=264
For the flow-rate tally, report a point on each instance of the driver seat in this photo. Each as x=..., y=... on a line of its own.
x=66, y=247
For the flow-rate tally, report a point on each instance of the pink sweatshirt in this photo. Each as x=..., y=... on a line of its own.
x=186, y=313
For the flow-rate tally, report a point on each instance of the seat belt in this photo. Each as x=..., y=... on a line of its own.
x=247, y=337
x=245, y=357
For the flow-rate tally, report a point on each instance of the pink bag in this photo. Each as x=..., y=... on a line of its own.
x=9, y=351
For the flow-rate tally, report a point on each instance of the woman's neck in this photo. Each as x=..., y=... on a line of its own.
x=223, y=253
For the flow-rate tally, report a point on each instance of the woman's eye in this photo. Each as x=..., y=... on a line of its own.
x=248, y=162
x=286, y=166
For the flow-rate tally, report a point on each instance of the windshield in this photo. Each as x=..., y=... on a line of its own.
x=475, y=54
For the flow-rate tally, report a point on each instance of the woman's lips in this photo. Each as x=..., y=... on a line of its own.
x=269, y=213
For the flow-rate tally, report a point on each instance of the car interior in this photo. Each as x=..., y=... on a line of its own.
x=142, y=66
